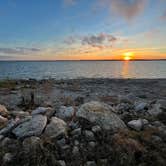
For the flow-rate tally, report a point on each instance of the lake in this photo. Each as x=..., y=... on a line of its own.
x=82, y=69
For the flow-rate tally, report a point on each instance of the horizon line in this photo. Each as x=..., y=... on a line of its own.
x=82, y=60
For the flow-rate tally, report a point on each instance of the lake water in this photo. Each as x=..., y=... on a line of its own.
x=81, y=69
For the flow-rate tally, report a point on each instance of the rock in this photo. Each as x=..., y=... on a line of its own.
x=136, y=124
x=7, y=158
x=11, y=125
x=1, y=137
x=100, y=114
x=92, y=144
x=89, y=135
x=76, y=132
x=20, y=114
x=103, y=162
x=48, y=111
x=61, y=142
x=3, y=111
x=96, y=129
x=90, y=163
x=31, y=143
x=130, y=98
x=76, y=143
x=162, y=103
x=5, y=142
x=55, y=128
x=3, y=120
x=65, y=112
x=140, y=106
x=75, y=151
x=32, y=127
x=61, y=163
x=155, y=110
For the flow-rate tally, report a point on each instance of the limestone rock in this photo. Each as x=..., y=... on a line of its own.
x=55, y=128
x=65, y=112
x=32, y=127
x=3, y=111
x=136, y=124
x=43, y=110
x=100, y=114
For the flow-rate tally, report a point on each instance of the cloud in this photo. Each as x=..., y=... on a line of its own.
x=163, y=17
x=127, y=9
x=100, y=40
x=69, y=2
x=19, y=50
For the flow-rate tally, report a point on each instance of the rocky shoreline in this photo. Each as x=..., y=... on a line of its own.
x=83, y=122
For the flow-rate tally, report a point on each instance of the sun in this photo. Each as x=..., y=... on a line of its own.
x=127, y=56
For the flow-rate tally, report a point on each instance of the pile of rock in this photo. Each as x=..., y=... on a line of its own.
x=76, y=135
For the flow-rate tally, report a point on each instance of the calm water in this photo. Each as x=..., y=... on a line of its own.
x=74, y=69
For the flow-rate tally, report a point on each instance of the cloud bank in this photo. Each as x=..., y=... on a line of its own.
x=100, y=40
x=127, y=9
x=19, y=51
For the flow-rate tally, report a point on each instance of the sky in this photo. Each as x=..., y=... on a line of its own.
x=82, y=29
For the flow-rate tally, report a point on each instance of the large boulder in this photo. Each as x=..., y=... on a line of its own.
x=32, y=127
x=100, y=114
x=3, y=111
x=57, y=127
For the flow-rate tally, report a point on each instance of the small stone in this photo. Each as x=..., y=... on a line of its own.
x=56, y=128
x=61, y=142
x=162, y=103
x=76, y=142
x=61, y=163
x=65, y=112
x=1, y=137
x=43, y=110
x=90, y=163
x=31, y=143
x=96, y=129
x=75, y=151
x=7, y=158
x=156, y=139
x=140, y=106
x=155, y=110
x=136, y=124
x=5, y=141
x=92, y=144
x=103, y=162
x=20, y=114
x=76, y=132
x=3, y=120
x=89, y=135
x=3, y=111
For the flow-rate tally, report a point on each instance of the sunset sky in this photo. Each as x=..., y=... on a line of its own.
x=82, y=29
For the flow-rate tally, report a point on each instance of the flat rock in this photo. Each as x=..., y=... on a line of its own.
x=43, y=110
x=3, y=110
x=32, y=127
x=100, y=114
x=136, y=124
x=20, y=114
x=55, y=128
x=140, y=106
x=155, y=110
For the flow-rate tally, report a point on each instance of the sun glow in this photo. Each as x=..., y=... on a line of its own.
x=127, y=56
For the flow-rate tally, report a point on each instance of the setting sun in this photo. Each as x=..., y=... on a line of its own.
x=128, y=56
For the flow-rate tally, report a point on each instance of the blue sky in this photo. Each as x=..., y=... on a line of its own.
x=81, y=29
